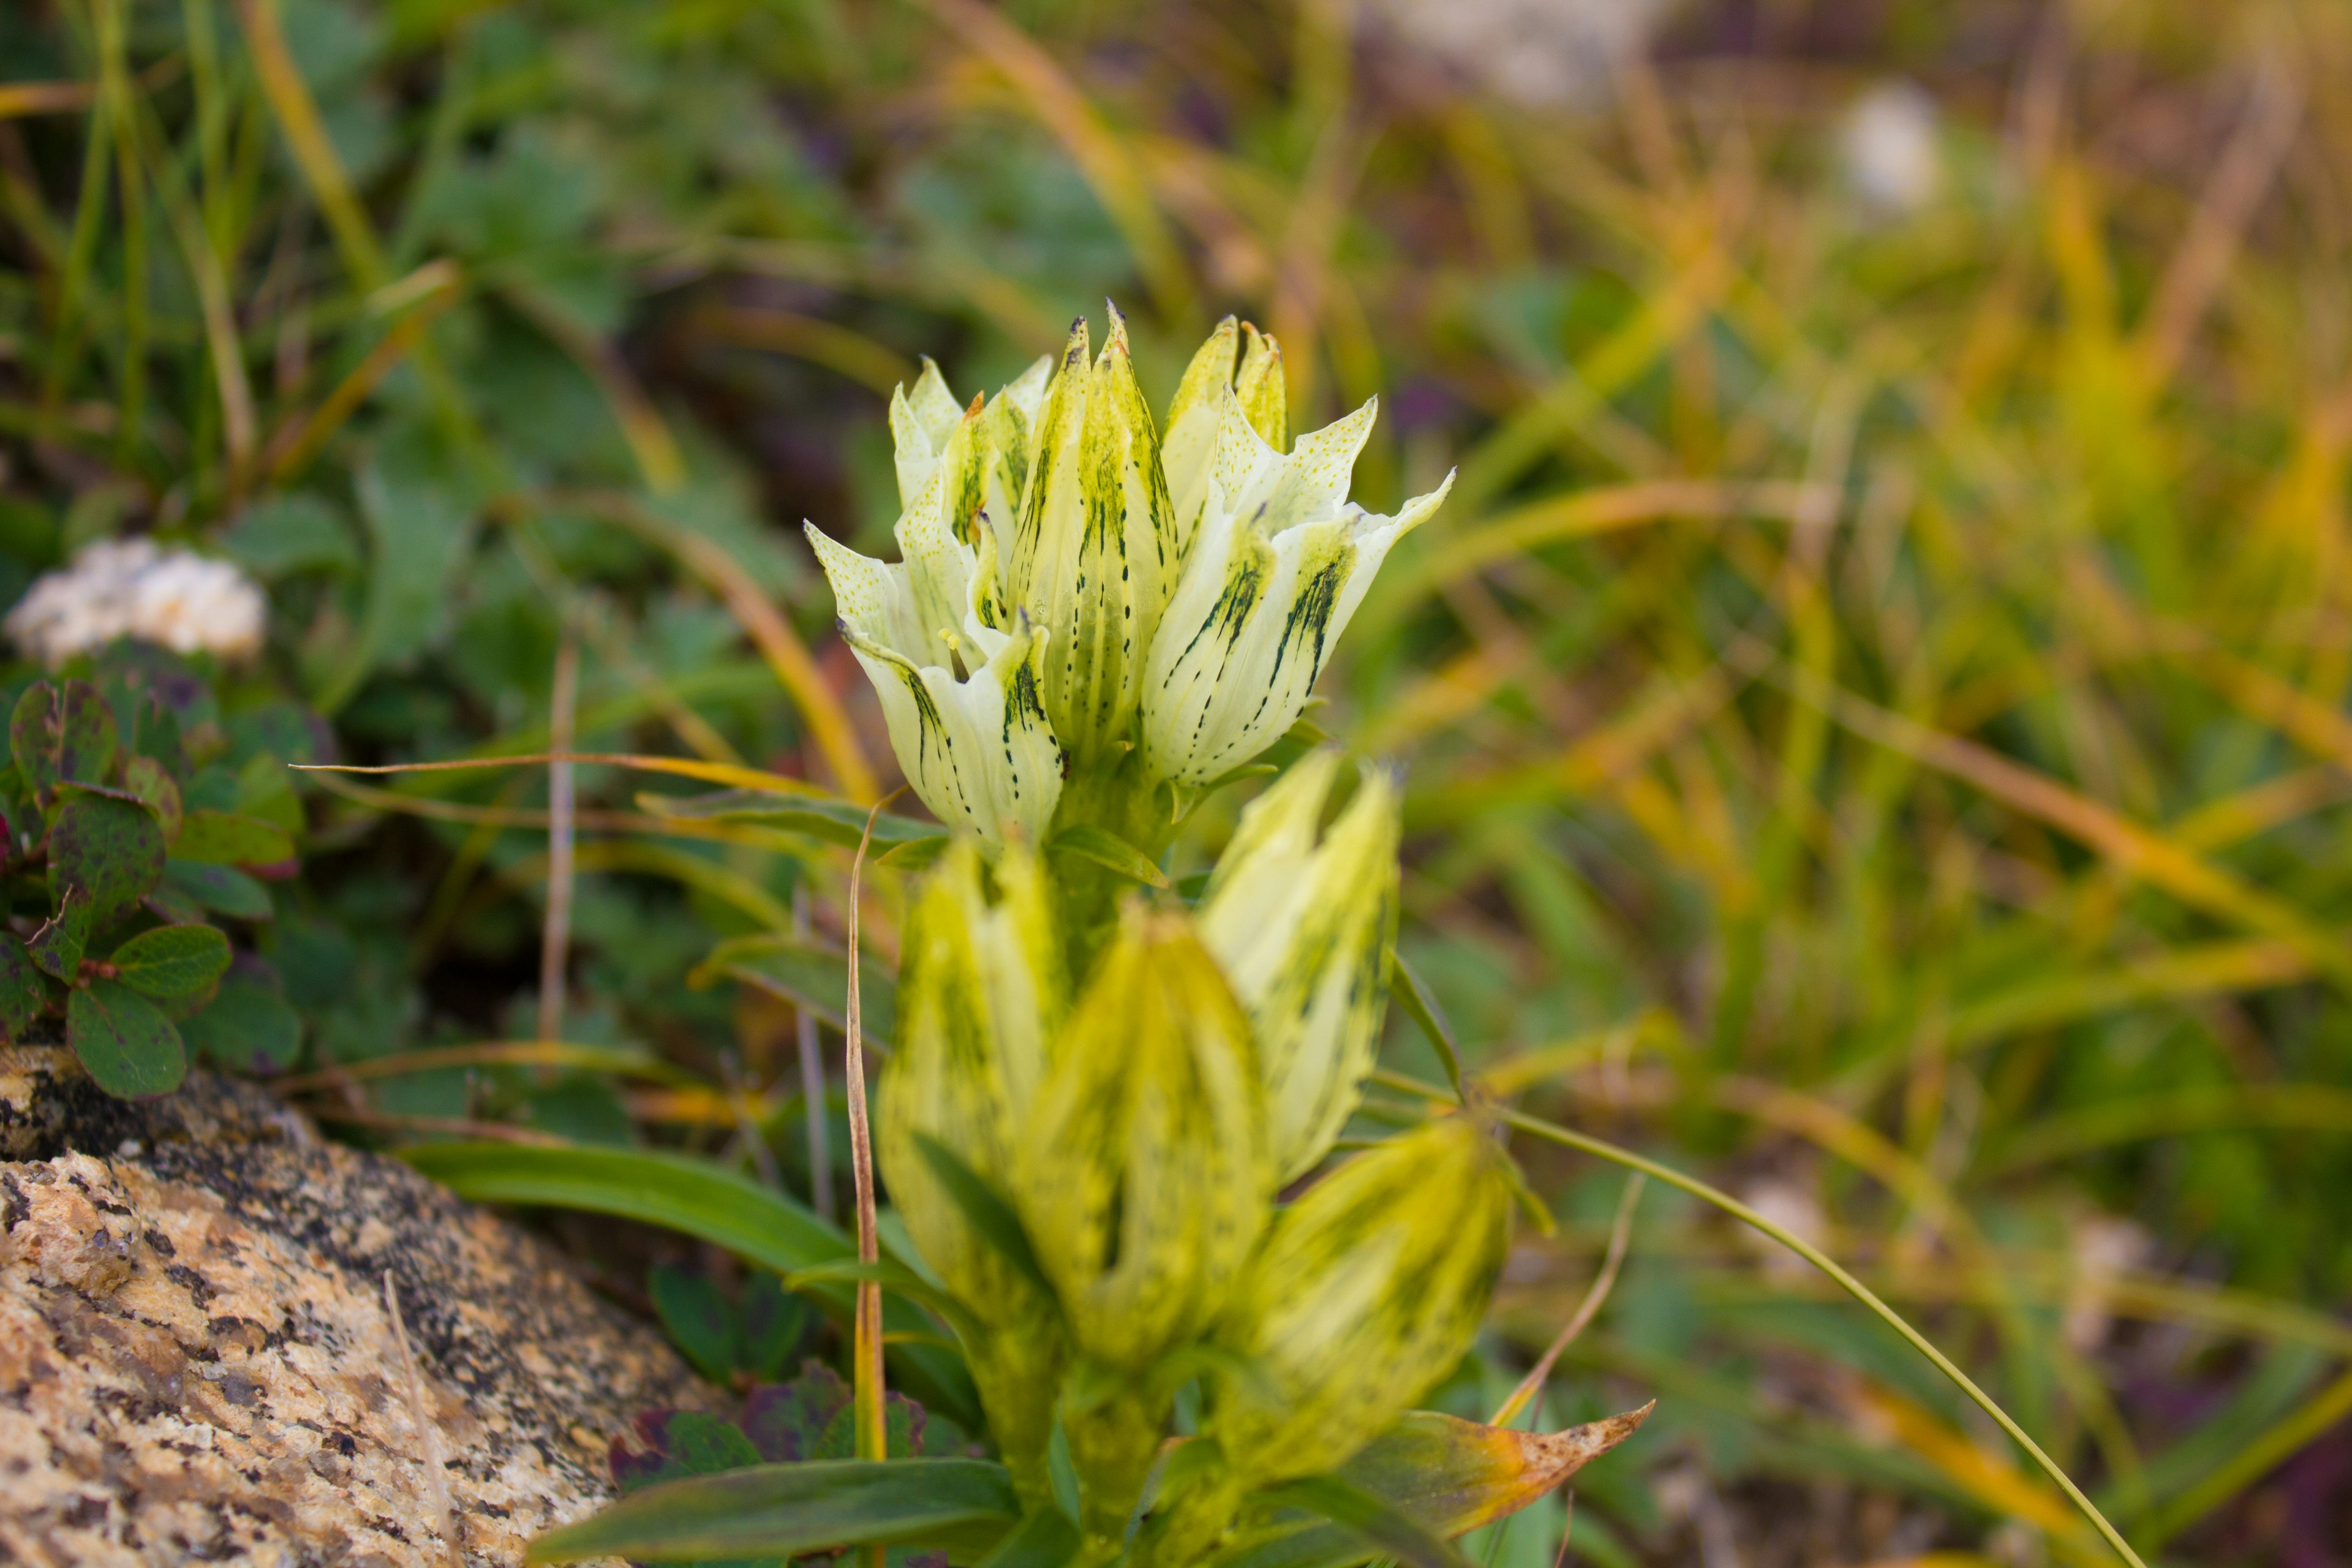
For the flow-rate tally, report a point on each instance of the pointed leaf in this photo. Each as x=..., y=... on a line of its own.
x=124, y=1042
x=61, y=733
x=818, y=816
x=964, y=1506
x=171, y=962
x=808, y=974
x=1047, y=1539
x=701, y=1199
x=987, y=1212
x=1378, y=1523
x=1454, y=1476
x=23, y=997
x=111, y=850
x=226, y=839
x=1108, y=850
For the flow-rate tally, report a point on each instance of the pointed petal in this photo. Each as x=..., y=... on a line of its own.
x=1260, y=388
x=1187, y=449
x=1094, y=553
x=919, y=422
x=874, y=598
x=979, y=752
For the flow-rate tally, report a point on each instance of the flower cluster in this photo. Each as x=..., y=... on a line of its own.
x=1139, y=1129
x=132, y=588
x=1079, y=596
x=1094, y=1105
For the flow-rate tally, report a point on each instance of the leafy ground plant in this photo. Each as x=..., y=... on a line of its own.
x=130, y=837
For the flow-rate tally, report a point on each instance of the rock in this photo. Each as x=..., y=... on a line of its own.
x=196, y=1359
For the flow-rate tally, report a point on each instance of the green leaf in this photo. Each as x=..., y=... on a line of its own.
x=1418, y=1001
x=247, y=1025
x=58, y=946
x=807, y=973
x=110, y=848
x=23, y=997
x=774, y=1323
x=61, y=733
x=701, y=1199
x=1379, y=1523
x=986, y=1210
x=226, y=839
x=265, y=792
x=701, y=1321
x=819, y=816
x=960, y=1506
x=915, y=855
x=147, y=782
x=171, y=964
x=222, y=889
x=123, y=1040
x=419, y=507
x=1047, y=1539
x=289, y=534
x=1108, y=850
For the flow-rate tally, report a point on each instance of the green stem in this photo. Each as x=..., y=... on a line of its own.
x=1602, y=1149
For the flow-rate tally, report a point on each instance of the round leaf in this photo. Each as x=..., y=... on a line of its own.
x=171, y=962
x=247, y=1025
x=123, y=1040
x=61, y=733
x=110, y=848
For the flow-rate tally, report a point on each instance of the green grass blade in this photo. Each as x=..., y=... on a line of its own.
x=1602, y=1149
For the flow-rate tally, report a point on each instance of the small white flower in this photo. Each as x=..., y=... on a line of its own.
x=1889, y=148
x=118, y=588
x=1302, y=931
x=1277, y=565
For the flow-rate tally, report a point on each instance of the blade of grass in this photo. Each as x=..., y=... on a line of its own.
x=1605, y=1150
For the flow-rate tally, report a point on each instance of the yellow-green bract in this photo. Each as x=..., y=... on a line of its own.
x=1366, y=1291
x=1302, y=930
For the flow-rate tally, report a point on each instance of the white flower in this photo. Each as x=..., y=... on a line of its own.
x=129, y=588
x=1070, y=588
x=1279, y=562
x=1889, y=148
x=1302, y=932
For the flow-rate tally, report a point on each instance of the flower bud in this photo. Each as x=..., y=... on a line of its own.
x=980, y=992
x=1303, y=930
x=1365, y=1291
x=1142, y=1172
x=1093, y=553
x=1279, y=564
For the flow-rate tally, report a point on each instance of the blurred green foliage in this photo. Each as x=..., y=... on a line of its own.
x=1873, y=710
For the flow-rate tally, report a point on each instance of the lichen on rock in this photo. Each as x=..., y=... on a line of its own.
x=196, y=1360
